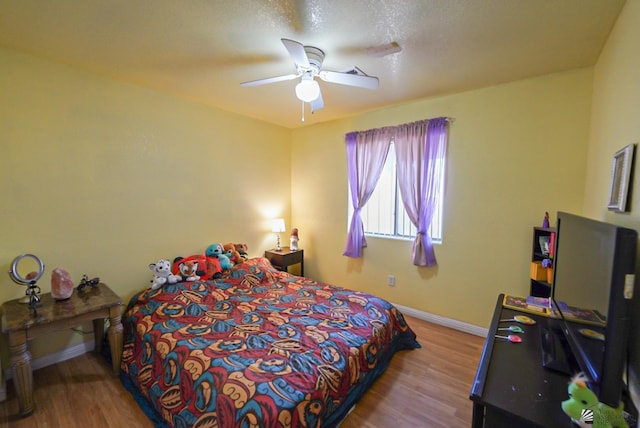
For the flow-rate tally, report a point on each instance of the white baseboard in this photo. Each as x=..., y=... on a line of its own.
x=446, y=322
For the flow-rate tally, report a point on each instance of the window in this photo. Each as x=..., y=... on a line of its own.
x=384, y=214
x=420, y=151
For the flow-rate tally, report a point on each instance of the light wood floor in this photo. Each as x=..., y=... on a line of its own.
x=427, y=387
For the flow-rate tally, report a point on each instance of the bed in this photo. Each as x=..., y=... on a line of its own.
x=256, y=348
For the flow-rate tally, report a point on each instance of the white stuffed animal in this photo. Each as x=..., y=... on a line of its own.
x=162, y=274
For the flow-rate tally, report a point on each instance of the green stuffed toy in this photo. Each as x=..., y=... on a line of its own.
x=582, y=400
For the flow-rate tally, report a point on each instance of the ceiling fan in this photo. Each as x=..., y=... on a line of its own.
x=308, y=62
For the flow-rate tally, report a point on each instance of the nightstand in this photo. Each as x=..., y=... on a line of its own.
x=281, y=260
x=18, y=322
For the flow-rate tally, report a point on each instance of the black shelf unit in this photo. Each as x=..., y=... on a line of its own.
x=541, y=288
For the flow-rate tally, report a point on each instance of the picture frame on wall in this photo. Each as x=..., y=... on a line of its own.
x=620, y=178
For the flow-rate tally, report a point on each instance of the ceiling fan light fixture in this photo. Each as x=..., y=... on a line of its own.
x=307, y=90
x=308, y=63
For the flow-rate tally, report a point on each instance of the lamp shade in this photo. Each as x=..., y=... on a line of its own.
x=277, y=225
x=307, y=90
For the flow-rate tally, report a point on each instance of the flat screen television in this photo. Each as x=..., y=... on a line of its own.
x=593, y=281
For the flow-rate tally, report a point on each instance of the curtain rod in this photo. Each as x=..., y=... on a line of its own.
x=450, y=120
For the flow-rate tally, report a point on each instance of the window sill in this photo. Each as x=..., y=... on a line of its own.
x=398, y=238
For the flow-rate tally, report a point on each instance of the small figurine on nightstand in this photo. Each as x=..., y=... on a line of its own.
x=32, y=291
x=293, y=244
x=86, y=282
x=545, y=222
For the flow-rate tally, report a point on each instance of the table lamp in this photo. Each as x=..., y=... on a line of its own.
x=277, y=227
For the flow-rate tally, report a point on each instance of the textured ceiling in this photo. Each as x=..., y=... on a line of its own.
x=203, y=49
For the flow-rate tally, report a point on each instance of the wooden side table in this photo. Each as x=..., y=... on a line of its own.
x=285, y=258
x=18, y=321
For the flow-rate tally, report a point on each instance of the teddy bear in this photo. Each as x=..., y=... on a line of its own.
x=162, y=274
x=232, y=253
x=217, y=251
x=242, y=250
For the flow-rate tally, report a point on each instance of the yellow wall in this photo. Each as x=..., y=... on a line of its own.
x=615, y=119
x=103, y=178
x=615, y=122
x=515, y=151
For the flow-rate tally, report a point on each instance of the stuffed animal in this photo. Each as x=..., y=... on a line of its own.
x=242, y=250
x=162, y=274
x=199, y=264
x=188, y=270
x=230, y=251
x=217, y=251
x=585, y=410
x=213, y=267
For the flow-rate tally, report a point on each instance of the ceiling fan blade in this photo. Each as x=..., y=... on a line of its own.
x=297, y=52
x=349, y=79
x=269, y=80
x=317, y=104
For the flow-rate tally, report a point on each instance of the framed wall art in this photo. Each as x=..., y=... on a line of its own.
x=620, y=178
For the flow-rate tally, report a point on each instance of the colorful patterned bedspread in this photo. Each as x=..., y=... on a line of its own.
x=257, y=348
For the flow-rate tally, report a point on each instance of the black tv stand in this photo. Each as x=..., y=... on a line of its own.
x=511, y=388
x=556, y=352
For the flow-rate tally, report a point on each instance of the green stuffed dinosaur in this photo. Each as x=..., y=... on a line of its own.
x=582, y=399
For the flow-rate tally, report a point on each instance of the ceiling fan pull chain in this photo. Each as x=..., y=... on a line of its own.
x=302, y=111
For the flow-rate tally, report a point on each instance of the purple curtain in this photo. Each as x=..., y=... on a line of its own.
x=366, y=154
x=418, y=146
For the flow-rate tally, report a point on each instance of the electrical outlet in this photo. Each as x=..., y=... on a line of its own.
x=391, y=280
